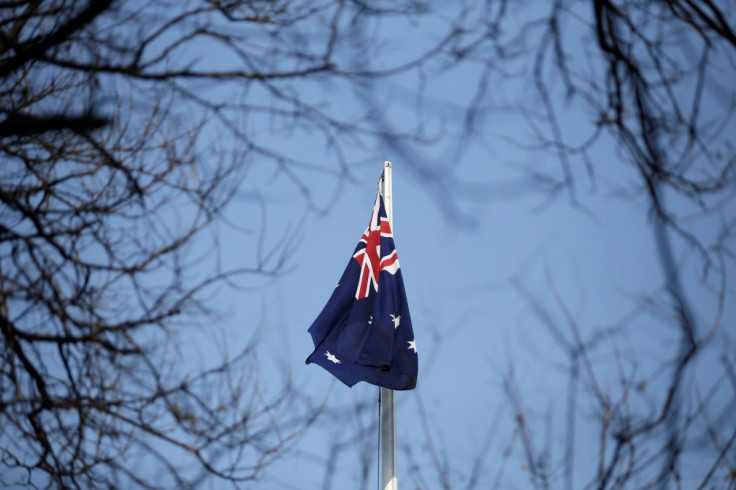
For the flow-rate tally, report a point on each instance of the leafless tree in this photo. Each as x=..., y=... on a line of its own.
x=126, y=128
x=655, y=80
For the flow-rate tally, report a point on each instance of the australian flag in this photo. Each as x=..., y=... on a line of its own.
x=364, y=332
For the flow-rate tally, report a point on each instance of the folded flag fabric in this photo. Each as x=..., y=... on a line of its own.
x=364, y=332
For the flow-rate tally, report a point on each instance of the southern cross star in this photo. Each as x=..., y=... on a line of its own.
x=396, y=320
x=331, y=357
x=412, y=345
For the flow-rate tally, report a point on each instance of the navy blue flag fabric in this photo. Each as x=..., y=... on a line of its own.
x=364, y=332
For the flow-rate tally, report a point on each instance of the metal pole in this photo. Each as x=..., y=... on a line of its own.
x=389, y=480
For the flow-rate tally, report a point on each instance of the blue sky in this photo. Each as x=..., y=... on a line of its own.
x=517, y=247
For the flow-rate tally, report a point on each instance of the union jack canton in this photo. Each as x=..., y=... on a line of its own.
x=364, y=332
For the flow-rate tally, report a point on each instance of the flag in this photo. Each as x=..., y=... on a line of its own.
x=364, y=332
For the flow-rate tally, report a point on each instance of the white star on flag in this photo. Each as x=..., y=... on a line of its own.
x=413, y=345
x=331, y=357
x=396, y=320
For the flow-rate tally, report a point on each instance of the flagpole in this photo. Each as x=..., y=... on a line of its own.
x=389, y=480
